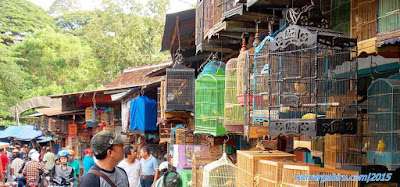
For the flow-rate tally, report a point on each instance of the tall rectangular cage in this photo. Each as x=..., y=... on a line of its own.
x=179, y=85
x=233, y=111
x=209, y=114
x=383, y=129
x=312, y=82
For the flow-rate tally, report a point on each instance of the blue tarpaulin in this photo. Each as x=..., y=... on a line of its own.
x=25, y=132
x=44, y=139
x=143, y=114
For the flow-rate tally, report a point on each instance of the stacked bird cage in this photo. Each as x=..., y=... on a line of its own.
x=219, y=173
x=383, y=129
x=248, y=167
x=209, y=115
x=233, y=113
x=312, y=82
x=179, y=84
x=270, y=172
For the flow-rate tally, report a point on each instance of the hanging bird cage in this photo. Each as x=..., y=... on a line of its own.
x=209, y=115
x=179, y=84
x=233, y=114
x=312, y=82
x=219, y=173
x=213, y=66
x=383, y=129
x=244, y=70
x=260, y=84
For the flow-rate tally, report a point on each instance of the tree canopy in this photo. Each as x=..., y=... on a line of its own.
x=73, y=50
x=19, y=17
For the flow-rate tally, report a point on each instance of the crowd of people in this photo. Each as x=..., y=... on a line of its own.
x=108, y=163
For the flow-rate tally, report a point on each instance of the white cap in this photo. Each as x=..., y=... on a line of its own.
x=35, y=156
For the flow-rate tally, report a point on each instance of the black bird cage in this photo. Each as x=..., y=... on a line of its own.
x=179, y=84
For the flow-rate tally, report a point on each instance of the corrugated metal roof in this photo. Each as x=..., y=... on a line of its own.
x=25, y=132
x=137, y=76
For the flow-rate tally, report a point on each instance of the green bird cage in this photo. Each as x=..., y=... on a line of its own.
x=209, y=94
x=383, y=129
x=233, y=113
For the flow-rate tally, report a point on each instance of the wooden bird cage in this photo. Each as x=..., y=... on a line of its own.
x=270, y=172
x=233, y=111
x=363, y=19
x=290, y=172
x=248, y=167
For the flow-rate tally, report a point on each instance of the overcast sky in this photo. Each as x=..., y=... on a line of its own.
x=175, y=5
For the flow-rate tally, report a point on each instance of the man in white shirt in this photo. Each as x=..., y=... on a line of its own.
x=16, y=165
x=49, y=158
x=131, y=166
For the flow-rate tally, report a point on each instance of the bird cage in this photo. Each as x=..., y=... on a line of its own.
x=260, y=84
x=270, y=172
x=212, y=67
x=383, y=129
x=219, y=173
x=312, y=77
x=242, y=76
x=179, y=84
x=209, y=115
x=248, y=167
x=233, y=111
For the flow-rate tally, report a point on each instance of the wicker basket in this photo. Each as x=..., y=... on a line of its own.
x=247, y=163
x=290, y=173
x=270, y=172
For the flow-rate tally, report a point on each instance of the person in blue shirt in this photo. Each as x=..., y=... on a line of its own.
x=149, y=166
x=88, y=161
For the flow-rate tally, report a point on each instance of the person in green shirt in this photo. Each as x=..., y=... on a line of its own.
x=74, y=163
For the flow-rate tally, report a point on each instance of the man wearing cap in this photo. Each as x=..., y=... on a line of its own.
x=88, y=161
x=107, y=147
x=49, y=159
x=74, y=163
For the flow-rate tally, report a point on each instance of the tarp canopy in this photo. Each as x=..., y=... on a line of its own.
x=143, y=114
x=25, y=132
x=44, y=139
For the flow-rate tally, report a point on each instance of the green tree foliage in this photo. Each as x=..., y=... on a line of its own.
x=58, y=63
x=72, y=21
x=127, y=34
x=18, y=17
x=11, y=81
x=63, y=6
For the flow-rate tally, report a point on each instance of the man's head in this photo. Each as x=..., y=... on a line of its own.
x=17, y=154
x=144, y=152
x=63, y=156
x=88, y=152
x=15, y=151
x=47, y=149
x=107, y=144
x=35, y=157
x=130, y=152
x=1, y=150
x=71, y=155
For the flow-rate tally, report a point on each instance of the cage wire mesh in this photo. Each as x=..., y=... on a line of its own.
x=209, y=94
x=233, y=111
x=311, y=75
x=219, y=173
x=179, y=85
x=383, y=129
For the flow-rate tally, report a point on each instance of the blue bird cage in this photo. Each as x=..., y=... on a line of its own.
x=383, y=145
